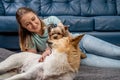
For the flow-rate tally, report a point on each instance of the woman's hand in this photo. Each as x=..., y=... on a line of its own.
x=46, y=53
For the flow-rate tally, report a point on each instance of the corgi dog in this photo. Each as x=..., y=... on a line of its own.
x=56, y=32
x=62, y=64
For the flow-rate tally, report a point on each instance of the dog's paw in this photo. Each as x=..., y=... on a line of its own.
x=83, y=56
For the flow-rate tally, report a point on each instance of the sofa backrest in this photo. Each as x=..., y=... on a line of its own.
x=81, y=15
x=77, y=10
x=63, y=7
x=11, y=6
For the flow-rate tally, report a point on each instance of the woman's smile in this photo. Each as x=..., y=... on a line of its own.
x=31, y=22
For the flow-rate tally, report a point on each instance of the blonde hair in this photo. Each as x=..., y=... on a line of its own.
x=24, y=34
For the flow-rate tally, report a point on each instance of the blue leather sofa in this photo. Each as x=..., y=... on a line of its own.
x=100, y=18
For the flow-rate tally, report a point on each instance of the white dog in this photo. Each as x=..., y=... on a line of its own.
x=62, y=64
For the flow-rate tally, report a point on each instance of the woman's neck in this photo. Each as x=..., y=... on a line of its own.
x=41, y=32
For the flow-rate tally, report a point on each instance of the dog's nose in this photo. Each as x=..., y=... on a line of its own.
x=55, y=37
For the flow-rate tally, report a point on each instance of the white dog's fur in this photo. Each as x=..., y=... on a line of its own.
x=54, y=67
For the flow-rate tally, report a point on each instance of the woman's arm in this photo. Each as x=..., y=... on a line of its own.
x=47, y=52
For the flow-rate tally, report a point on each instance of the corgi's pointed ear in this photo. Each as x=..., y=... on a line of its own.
x=77, y=39
x=66, y=28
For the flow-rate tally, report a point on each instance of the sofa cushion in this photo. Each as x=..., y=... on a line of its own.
x=107, y=23
x=11, y=6
x=60, y=7
x=78, y=24
x=97, y=7
x=8, y=24
x=2, y=10
x=118, y=6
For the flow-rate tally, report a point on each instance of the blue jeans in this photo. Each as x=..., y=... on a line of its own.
x=100, y=53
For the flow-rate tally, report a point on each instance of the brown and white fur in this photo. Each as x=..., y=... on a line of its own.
x=57, y=32
x=62, y=64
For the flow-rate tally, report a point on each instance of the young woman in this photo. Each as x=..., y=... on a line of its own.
x=33, y=31
x=33, y=35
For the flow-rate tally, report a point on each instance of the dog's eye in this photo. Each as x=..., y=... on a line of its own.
x=58, y=33
x=52, y=34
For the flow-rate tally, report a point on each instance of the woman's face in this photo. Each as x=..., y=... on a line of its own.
x=31, y=22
